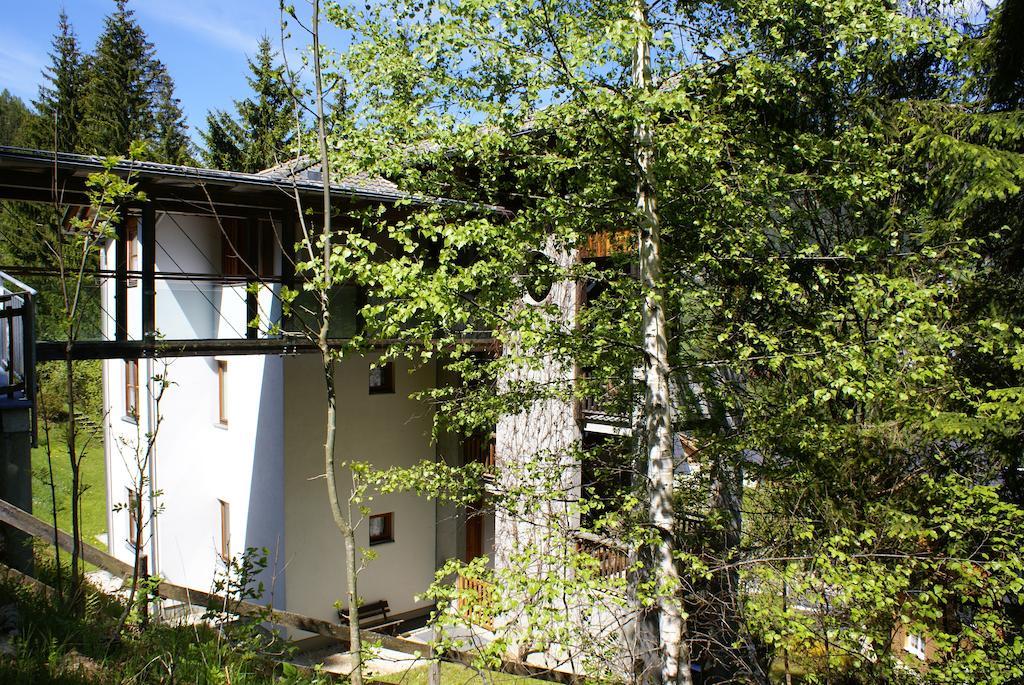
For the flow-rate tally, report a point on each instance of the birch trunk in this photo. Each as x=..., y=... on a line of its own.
x=674, y=656
x=342, y=517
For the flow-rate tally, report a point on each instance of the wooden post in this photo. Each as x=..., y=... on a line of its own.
x=121, y=279
x=434, y=669
x=287, y=260
x=147, y=236
x=252, y=259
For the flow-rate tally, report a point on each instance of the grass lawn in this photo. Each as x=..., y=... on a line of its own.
x=94, y=498
x=456, y=674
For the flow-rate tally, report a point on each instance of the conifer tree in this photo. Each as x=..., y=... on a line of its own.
x=171, y=145
x=259, y=135
x=14, y=119
x=123, y=98
x=60, y=97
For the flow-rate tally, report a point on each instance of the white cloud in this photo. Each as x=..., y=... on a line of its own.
x=209, y=20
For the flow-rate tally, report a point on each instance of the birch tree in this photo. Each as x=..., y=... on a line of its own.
x=790, y=308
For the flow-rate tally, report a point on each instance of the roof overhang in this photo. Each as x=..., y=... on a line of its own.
x=40, y=176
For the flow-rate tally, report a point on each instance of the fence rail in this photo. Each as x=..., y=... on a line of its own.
x=612, y=559
x=27, y=523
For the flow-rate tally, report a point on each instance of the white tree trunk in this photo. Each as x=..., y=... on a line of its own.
x=675, y=662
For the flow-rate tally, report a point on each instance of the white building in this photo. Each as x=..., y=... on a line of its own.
x=237, y=461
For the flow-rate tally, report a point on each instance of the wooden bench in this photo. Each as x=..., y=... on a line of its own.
x=372, y=616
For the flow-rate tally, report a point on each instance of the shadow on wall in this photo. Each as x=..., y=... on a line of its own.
x=265, y=516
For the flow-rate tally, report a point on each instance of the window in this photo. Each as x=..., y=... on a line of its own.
x=131, y=389
x=232, y=249
x=382, y=528
x=382, y=379
x=239, y=246
x=132, y=231
x=222, y=407
x=133, y=517
x=225, y=530
x=915, y=645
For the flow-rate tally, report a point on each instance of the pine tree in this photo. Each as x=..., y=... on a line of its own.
x=261, y=132
x=222, y=138
x=59, y=104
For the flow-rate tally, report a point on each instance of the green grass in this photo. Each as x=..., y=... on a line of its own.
x=94, y=498
x=456, y=674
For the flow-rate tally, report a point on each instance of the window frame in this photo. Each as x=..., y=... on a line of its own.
x=131, y=239
x=387, y=376
x=225, y=531
x=222, y=404
x=232, y=248
x=133, y=522
x=388, y=534
x=915, y=644
x=131, y=389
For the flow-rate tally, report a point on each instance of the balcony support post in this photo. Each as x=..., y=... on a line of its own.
x=147, y=236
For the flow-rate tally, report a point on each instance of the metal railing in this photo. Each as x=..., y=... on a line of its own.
x=17, y=342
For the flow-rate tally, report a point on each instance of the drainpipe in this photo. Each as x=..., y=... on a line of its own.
x=150, y=427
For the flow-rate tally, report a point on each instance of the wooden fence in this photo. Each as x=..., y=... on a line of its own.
x=27, y=523
x=475, y=601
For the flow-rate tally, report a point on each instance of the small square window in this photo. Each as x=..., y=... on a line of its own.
x=382, y=379
x=382, y=528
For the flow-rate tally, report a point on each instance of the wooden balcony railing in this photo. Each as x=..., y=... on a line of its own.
x=607, y=243
x=601, y=408
x=612, y=559
x=479, y=448
x=476, y=601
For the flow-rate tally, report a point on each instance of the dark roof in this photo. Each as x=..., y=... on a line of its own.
x=31, y=171
x=306, y=168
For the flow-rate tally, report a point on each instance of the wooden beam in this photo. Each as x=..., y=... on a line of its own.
x=147, y=236
x=121, y=277
x=50, y=350
x=252, y=259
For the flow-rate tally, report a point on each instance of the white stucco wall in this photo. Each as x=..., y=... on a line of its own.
x=384, y=430
x=197, y=461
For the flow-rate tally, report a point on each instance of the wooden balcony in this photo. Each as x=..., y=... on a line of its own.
x=612, y=559
x=606, y=244
x=480, y=448
x=476, y=601
x=601, y=409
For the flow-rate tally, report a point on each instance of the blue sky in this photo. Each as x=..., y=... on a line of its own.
x=204, y=43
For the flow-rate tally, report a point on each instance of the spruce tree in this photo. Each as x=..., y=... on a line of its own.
x=260, y=134
x=59, y=105
x=171, y=145
x=123, y=89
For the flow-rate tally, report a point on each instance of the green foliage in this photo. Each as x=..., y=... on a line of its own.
x=261, y=132
x=14, y=119
x=128, y=95
x=840, y=231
